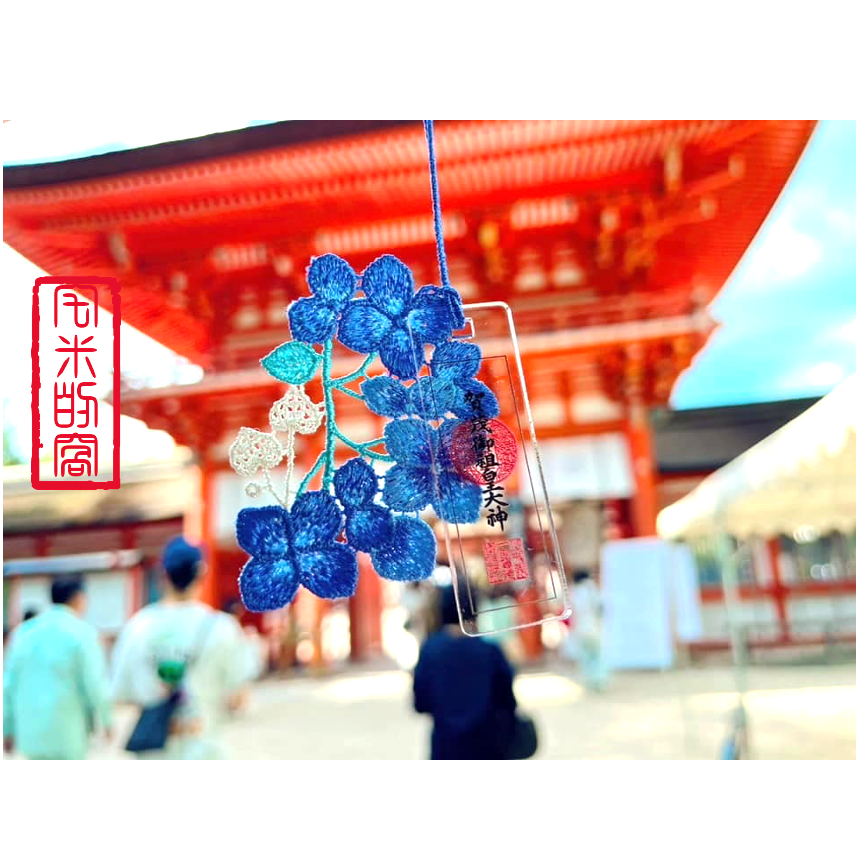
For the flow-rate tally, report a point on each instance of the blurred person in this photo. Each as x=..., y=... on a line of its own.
x=55, y=692
x=465, y=685
x=256, y=647
x=10, y=635
x=585, y=636
x=180, y=641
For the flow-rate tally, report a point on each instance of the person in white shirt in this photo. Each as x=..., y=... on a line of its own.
x=180, y=634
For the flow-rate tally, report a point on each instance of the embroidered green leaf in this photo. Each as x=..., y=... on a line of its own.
x=292, y=362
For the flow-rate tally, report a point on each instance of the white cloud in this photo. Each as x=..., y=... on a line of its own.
x=847, y=331
x=784, y=253
x=842, y=223
x=819, y=377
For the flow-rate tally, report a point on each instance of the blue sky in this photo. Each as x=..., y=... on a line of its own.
x=788, y=312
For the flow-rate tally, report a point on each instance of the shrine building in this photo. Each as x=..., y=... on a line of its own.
x=608, y=240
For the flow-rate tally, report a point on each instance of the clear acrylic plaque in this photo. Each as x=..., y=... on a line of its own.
x=506, y=566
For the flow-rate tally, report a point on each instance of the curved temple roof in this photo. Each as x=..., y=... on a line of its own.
x=640, y=211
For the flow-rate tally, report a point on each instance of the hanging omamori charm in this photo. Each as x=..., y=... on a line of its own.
x=429, y=393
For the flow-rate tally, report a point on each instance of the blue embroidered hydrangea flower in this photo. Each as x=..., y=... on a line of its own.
x=410, y=553
x=394, y=321
x=458, y=363
x=314, y=319
x=409, y=484
x=301, y=545
x=294, y=548
x=402, y=548
x=428, y=397
x=385, y=396
x=369, y=525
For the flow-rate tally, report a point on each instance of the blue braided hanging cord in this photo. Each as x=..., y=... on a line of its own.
x=453, y=299
x=435, y=201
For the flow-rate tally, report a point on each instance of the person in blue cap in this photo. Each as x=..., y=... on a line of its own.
x=179, y=639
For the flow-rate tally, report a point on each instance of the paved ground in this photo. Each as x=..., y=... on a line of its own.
x=806, y=712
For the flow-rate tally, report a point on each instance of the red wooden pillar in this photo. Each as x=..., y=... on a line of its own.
x=642, y=453
x=366, y=608
x=136, y=574
x=641, y=449
x=777, y=587
x=197, y=527
x=319, y=609
x=531, y=637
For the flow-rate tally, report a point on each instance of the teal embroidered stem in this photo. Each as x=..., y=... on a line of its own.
x=349, y=392
x=376, y=456
x=364, y=448
x=327, y=457
x=348, y=378
x=331, y=428
x=311, y=474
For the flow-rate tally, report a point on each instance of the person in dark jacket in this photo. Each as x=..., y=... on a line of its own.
x=465, y=685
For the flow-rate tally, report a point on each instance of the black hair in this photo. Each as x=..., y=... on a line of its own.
x=448, y=607
x=182, y=563
x=581, y=575
x=29, y=614
x=64, y=590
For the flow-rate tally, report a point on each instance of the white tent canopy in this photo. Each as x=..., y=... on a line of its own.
x=802, y=476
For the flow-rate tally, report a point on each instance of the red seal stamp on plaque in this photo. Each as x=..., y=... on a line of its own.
x=505, y=561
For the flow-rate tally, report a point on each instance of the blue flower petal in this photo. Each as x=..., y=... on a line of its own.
x=388, y=284
x=410, y=554
x=482, y=405
x=311, y=320
x=314, y=519
x=456, y=360
x=369, y=528
x=455, y=309
x=408, y=489
x=430, y=318
x=362, y=326
x=409, y=441
x=385, y=396
x=401, y=353
x=355, y=483
x=267, y=585
x=332, y=279
x=330, y=572
x=459, y=501
x=262, y=532
x=431, y=397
